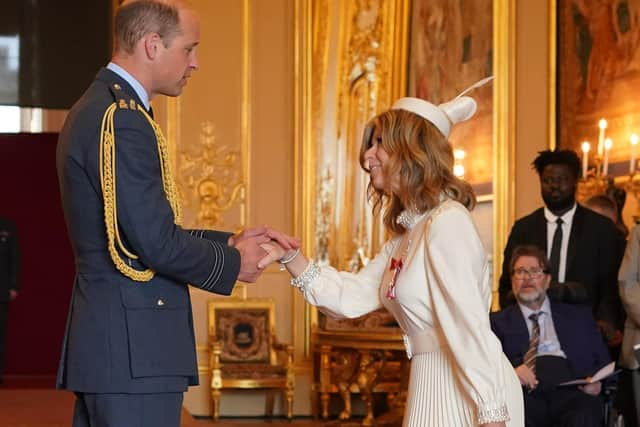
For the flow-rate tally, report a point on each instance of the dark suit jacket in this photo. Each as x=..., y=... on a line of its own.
x=124, y=336
x=593, y=258
x=577, y=332
x=9, y=259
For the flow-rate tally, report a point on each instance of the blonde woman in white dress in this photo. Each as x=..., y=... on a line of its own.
x=433, y=275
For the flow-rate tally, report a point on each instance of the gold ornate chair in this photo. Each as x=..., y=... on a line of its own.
x=245, y=353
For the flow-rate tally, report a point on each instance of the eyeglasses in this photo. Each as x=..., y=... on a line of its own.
x=536, y=272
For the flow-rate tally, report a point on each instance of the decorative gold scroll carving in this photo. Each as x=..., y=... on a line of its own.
x=211, y=178
x=350, y=92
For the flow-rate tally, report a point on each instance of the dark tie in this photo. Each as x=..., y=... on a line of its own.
x=530, y=355
x=151, y=111
x=554, y=258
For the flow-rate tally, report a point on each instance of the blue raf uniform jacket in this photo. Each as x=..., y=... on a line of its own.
x=124, y=336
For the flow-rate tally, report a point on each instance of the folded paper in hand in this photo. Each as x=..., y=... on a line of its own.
x=603, y=373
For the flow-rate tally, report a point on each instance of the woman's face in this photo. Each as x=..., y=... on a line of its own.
x=376, y=157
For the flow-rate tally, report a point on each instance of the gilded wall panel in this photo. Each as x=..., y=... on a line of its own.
x=351, y=88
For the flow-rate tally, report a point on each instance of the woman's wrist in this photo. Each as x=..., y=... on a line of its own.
x=289, y=256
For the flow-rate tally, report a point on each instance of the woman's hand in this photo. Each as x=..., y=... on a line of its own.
x=498, y=424
x=275, y=252
x=266, y=233
x=292, y=259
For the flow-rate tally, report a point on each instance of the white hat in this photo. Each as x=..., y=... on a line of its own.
x=445, y=115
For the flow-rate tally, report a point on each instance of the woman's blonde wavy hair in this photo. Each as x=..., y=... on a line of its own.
x=420, y=162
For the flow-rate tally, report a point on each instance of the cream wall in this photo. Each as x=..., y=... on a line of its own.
x=244, y=87
x=532, y=100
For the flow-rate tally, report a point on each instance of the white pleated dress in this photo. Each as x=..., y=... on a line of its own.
x=441, y=300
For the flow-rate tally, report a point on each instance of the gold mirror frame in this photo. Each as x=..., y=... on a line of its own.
x=308, y=99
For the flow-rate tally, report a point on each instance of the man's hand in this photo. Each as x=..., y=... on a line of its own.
x=287, y=242
x=13, y=294
x=593, y=389
x=527, y=377
x=250, y=254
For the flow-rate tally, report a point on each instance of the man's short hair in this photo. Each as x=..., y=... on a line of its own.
x=604, y=203
x=137, y=18
x=557, y=157
x=532, y=251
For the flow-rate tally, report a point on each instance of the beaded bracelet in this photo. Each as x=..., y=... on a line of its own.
x=309, y=274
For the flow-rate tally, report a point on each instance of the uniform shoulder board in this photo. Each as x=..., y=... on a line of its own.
x=124, y=101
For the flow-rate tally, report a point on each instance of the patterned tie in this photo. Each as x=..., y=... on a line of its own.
x=554, y=259
x=530, y=355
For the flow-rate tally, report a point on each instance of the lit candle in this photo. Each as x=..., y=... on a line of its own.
x=585, y=158
x=607, y=146
x=632, y=160
x=602, y=124
x=458, y=166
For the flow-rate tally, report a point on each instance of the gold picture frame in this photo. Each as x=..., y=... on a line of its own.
x=595, y=74
x=451, y=48
x=370, y=38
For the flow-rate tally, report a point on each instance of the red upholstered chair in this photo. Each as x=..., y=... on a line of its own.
x=245, y=353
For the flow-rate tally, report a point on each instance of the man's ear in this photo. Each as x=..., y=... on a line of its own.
x=151, y=42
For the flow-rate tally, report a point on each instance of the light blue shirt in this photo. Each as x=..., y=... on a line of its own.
x=549, y=344
x=135, y=84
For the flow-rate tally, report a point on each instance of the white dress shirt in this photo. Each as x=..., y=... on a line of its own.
x=567, y=221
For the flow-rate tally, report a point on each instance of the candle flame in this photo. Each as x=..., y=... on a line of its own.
x=608, y=144
x=458, y=154
x=634, y=139
x=602, y=124
x=458, y=170
x=585, y=147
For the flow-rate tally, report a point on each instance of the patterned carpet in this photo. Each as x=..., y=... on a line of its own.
x=37, y=407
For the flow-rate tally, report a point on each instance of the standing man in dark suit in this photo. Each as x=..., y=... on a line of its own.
x=547, y=343
x=9, y=278
x=129, y=348
x=580, y=244
x=628, y=396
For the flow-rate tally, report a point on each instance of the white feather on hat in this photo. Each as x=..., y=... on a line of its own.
x=445, y=115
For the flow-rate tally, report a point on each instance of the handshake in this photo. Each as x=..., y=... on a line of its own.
x=261, y=246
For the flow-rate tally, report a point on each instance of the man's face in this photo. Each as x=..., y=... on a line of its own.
x=175, y=62
x=558, y=186
x=529, y=281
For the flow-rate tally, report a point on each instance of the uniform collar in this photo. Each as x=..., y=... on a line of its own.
x=135, y=84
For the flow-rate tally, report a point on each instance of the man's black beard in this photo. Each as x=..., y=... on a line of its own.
x=559, y=205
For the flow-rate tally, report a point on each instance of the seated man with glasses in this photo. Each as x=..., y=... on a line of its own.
x=582, y=245
x=549, y=342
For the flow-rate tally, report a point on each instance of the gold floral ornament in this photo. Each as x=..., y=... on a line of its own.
x=211, y=176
